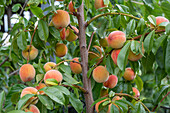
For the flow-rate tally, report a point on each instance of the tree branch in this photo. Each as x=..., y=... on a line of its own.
x=4, y=61
x=90, y=41
x=14, y=72
x=105, y=14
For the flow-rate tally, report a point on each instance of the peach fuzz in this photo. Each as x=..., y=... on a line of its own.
x=72, y=36
x=53, y=74
x=111, y=82
x=49, y=65
x=98, y=104
x=116, y=39
x=32, y=108
x=61, y=19
x=75, y=67
x=99, y=4
x=40, y=86
x=33, y=52
x=71, y=7
x=100, y=74
x=27, y=72
x=129, y=74
x=137, y=93
x=60, y=50
x=103, y=42
x=159, y=20
x=114, y=55
x=64, y=33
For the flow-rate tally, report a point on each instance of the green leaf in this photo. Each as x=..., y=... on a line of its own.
x=159, y=75
x=39, y=77
x=141, y=26
x=131, y=27
x=51, y=81
x=138, y=108
x=127, y=102
x=76, y=103
x=167, y=29
x=165, y=8
x=54, y=31
x=16, y=7
x=123, y=57
x=43, y=30
x=139, y=83
x=114, y=109
x=63, y=90
x=21, y=41
x=89, y=72
x=98, y=100
x=17, y=111
x=167, y=57
x=78, y=3
x=106, y=2
x=135, y=45
x=152, y=19
x=53, y=7
x=122, y=105
x=110, y=65
x=23, y=100
x=69, y=79
x=148, y=42
x=37, y=11
x=46, y=101
x=2, y=98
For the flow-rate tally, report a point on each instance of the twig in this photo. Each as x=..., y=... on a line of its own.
x=164, y=107
x=105, y=14
x=145, y=107
x=73, y=29
x=13, y=73
x=29, y=102
x=90, y=41
x=4, y=61
x=78, y=87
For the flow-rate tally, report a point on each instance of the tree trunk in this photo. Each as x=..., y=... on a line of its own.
x=84, y=59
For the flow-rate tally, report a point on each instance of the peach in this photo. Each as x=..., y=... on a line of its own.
x=33, y=52
x=99, y=4
x=116, y=39
x=100, y=74
x=60, y=50
x=111, y=82
x=64, y=33
x=61, y=19
x=27, y=72
x=72, y=36
x=40, y=86
x=159, y=20
x=137, y=93
x=53, y=74
x=129, y=74
x=98, y=104
x=116, y=98
x=75, y=67
x=32, y=108
x=71, y=7
x=30, y=90
x=49, y=65
x=115, y=54
x=103, y=42
x=134, y=57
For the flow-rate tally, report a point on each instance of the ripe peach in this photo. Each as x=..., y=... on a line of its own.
x=61, y=19
x=33, y=52
x=115, y=54
x=64, y=33
x=100, y=74
x=137, y=93
x=32, y=108
x=159, y=20
x=53, y=74
x=99, y=4
x=49, y=65
x=60, y=50
x=134, y=57
x=116, y=39
x=75, y=67
x=72, y=37
x=103, y=42
x=27, y=72
x=30, y=90
x=111, y=82
x=40, y=86
x=129, y=74
x=98, y=104
x=71, y=7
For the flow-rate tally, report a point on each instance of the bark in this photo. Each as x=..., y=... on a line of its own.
x=84, y=59
x=9, y=14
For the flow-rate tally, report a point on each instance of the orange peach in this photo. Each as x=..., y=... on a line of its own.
x=49, y=65
x=99, y=4
x=33, y=52
x=117, y=98
x=40, y=86
x=129, y=74
x=64, y=33
x=75, y=67
x=71, y=7
x=72, y=36
x=111, y=82
x=32, y=108
x=115, y=54
x=159, y=20
x=27, y=72
x=53, y=74
x=137, y=93
x=60, y=50
x=100, y=74
x=98, y=104
x=116, y=39
x=103, y=42
x=61, y=19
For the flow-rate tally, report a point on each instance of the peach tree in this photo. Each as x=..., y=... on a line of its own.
x=107, y=56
